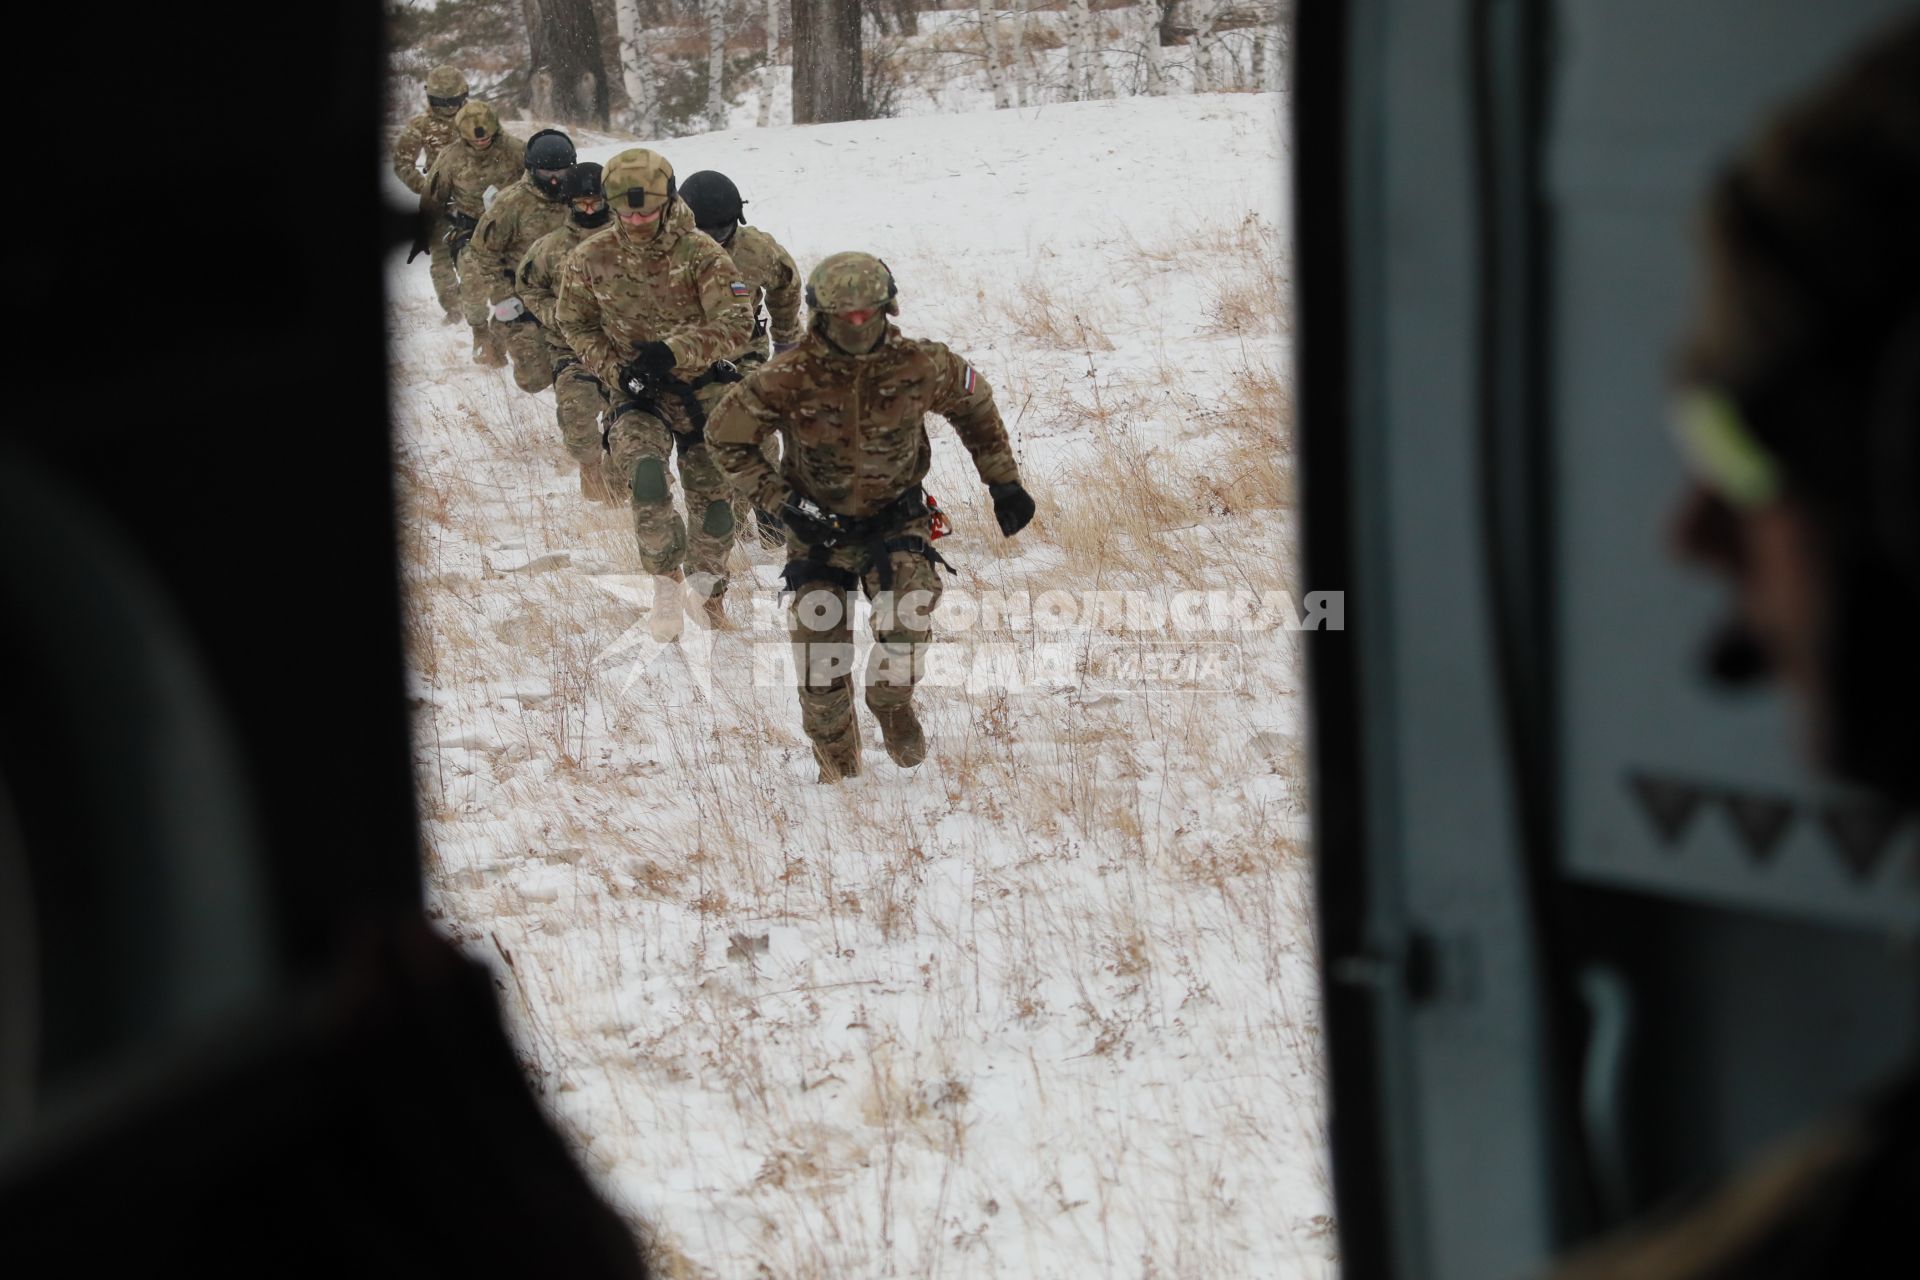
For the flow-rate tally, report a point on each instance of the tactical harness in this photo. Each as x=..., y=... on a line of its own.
x=646, y=399
x=460, y=232
x=877, y=536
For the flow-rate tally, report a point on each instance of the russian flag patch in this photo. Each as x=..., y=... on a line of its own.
x=739, y=290
x=967, y=383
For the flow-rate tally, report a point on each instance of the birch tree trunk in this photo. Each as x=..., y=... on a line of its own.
x=1150, y=18
x=716, y=15
x=1022, y=70
x=996, y=74
x=1079, y=47
x=771, y=72
x=1205, y=14
x=636, y=69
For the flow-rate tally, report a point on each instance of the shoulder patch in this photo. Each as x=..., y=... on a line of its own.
x=739, y=290
x=966, y=382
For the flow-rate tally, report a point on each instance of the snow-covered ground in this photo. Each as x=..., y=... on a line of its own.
x=1044, y=1006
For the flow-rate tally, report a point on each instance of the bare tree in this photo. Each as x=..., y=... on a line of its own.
x=636, y=66
x=828, y=81
x=1204, y=14
x=566, y=70
x=1022, y=69
x=990, y=32
x=771, y=71
x=1152, y=17
x=716, y=19
x=1079, y=50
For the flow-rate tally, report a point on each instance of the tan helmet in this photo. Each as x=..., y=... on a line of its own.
x=476, y=122
x=852, y=282
x=445, y=81
x=639, y=179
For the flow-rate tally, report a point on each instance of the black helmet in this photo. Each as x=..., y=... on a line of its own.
x=715, y=203
x=549, y=155
x=584, y=180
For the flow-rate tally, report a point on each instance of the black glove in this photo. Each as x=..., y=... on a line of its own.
x=1012, y=506
x=651, y=366
x=654, y=360
x=809, y=527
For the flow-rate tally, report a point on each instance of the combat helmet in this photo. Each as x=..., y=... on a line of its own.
x=714, y=202
x=549, y=155
x=476, y=123
x=583, y=180
x=446, y=88
x=639, y=179
x=852, y=282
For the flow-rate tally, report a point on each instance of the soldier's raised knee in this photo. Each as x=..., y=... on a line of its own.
x=718, y=522
x=650, y=481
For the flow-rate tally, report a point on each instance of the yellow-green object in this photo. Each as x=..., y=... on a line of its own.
x=1721, y=448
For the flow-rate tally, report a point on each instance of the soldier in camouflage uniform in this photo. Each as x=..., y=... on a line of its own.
x=456, y=189
x=770, y=272
x=517, y=217
x=850, y=404
x=430, y=132
x=578, y=396
x=653, y=309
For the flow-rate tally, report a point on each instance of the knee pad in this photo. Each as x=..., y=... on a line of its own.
x=718, y=522
x=650, y=481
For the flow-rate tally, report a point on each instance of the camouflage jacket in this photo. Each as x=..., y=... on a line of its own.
x=769, y=272
x=618, y=291
x=854, y=427
x=459, y=179
x=539, y=277
x=430, y=131
x=518, y=216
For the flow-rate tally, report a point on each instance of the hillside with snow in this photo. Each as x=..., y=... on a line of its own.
x=1044, y=1006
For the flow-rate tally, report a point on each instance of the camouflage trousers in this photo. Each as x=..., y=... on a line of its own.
x=639, y=445
x=446, y=279
x=526, y=344
x=820, y=624
x=579, y=399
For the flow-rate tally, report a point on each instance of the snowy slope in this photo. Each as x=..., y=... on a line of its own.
x=1044, y=1006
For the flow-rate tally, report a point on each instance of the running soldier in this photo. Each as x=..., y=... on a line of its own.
x=849, y=405
x=428, y=133
x=578, y=396
x=485, y=160
x=653, y=309
x=517, y=217
x=770, y=272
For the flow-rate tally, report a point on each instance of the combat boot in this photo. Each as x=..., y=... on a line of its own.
x=841, y=760
x=713, y=610
x=593, y=482
x=668, y=610
x=906, y=744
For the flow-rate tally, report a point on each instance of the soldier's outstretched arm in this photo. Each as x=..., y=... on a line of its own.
x=576, y=313
x=783, y=301
x=738, y=424
x=406, y=156
x=725, y=325
x=961, y=396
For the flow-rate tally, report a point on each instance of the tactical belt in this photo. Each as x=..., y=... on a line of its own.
x=684, y=392
x=877, y=537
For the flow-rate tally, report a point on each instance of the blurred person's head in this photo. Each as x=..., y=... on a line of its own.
x=1800, y=407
